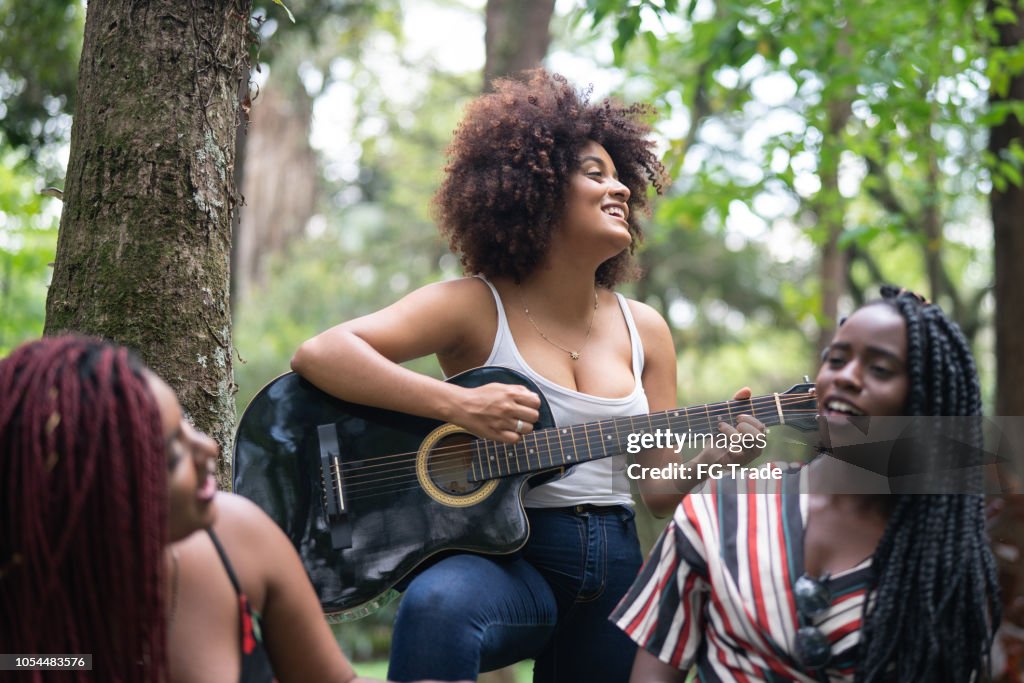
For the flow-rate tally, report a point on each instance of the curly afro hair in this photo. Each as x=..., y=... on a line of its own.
x=509, y=165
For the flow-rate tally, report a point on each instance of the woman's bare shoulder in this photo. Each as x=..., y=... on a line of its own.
x=465, y=290
x=649, y=322
x=239, y=514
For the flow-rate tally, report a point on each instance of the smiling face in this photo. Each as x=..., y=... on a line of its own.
x=191, y=462
x=864, y=368
x=596, y=203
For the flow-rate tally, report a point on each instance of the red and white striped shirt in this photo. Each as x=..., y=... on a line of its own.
x=716, y=590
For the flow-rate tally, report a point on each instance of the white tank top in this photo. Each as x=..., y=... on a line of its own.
x=598, y=482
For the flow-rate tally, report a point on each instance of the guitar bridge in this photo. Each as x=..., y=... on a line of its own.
x=332, y=488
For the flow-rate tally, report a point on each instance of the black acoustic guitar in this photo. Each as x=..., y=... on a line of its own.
x=367, y=495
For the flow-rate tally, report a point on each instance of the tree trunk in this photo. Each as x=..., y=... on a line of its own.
x=517, y=36
x=241, y=142
x=1007, y=528
x=143, y=251
x=280, y=181
x=1007, y=212
x=829, y=207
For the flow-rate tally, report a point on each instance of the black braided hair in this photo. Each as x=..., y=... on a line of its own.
x=936, y=599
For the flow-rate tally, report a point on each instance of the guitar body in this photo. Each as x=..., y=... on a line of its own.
x=402, y=485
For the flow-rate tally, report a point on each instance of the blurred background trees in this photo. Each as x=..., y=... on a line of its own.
x=818, y=148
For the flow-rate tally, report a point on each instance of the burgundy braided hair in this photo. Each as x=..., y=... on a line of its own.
x=83, y=509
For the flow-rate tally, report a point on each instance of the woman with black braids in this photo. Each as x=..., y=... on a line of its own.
x=811, y=584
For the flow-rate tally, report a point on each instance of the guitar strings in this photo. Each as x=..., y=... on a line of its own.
x=508, y=451
x=361, y=481
x=406, y=479
x=406, y=469
x=666, y=415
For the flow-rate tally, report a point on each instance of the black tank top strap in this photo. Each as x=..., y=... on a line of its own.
x=224, y=560
x=256, y=666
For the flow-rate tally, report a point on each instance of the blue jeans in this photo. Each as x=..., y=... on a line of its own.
x=549, y=602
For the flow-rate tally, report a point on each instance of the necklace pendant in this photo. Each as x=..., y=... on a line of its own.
x=574, y=355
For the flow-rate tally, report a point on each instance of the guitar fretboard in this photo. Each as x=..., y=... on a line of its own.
x=556, y=447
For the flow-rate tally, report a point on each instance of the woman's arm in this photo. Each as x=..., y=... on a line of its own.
x=666, y=608
x=649, y=669
x=359, y=360
x=659, y=380
x=300, y=643
x=295, y=633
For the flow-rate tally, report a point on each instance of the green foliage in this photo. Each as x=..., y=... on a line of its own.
x=816, y=116
x=319, y=30
x=28, y=238
x=373, y=242
x=40, y=41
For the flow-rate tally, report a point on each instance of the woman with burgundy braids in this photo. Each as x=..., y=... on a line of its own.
x=104, y=488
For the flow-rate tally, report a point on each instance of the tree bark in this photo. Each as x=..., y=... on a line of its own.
x=1007, y=528
x=143, y=252
x=829, y=208
x=1007, y=209
x=236, y=283
x=517, y=36
x=280, y=183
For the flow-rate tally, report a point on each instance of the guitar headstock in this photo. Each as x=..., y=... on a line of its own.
x=799, y=406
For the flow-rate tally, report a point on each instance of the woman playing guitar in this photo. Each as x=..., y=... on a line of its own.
x=539, y=199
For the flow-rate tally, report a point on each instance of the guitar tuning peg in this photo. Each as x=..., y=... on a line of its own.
x=807, y=379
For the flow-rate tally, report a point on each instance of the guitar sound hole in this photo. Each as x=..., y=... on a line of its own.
x=449, y=465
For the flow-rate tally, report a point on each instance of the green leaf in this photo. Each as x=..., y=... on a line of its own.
x=653, y=44
x=862, y=235
x=1011, y=173
x=1004, y=15
x=290, y=15
x=626, y=28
